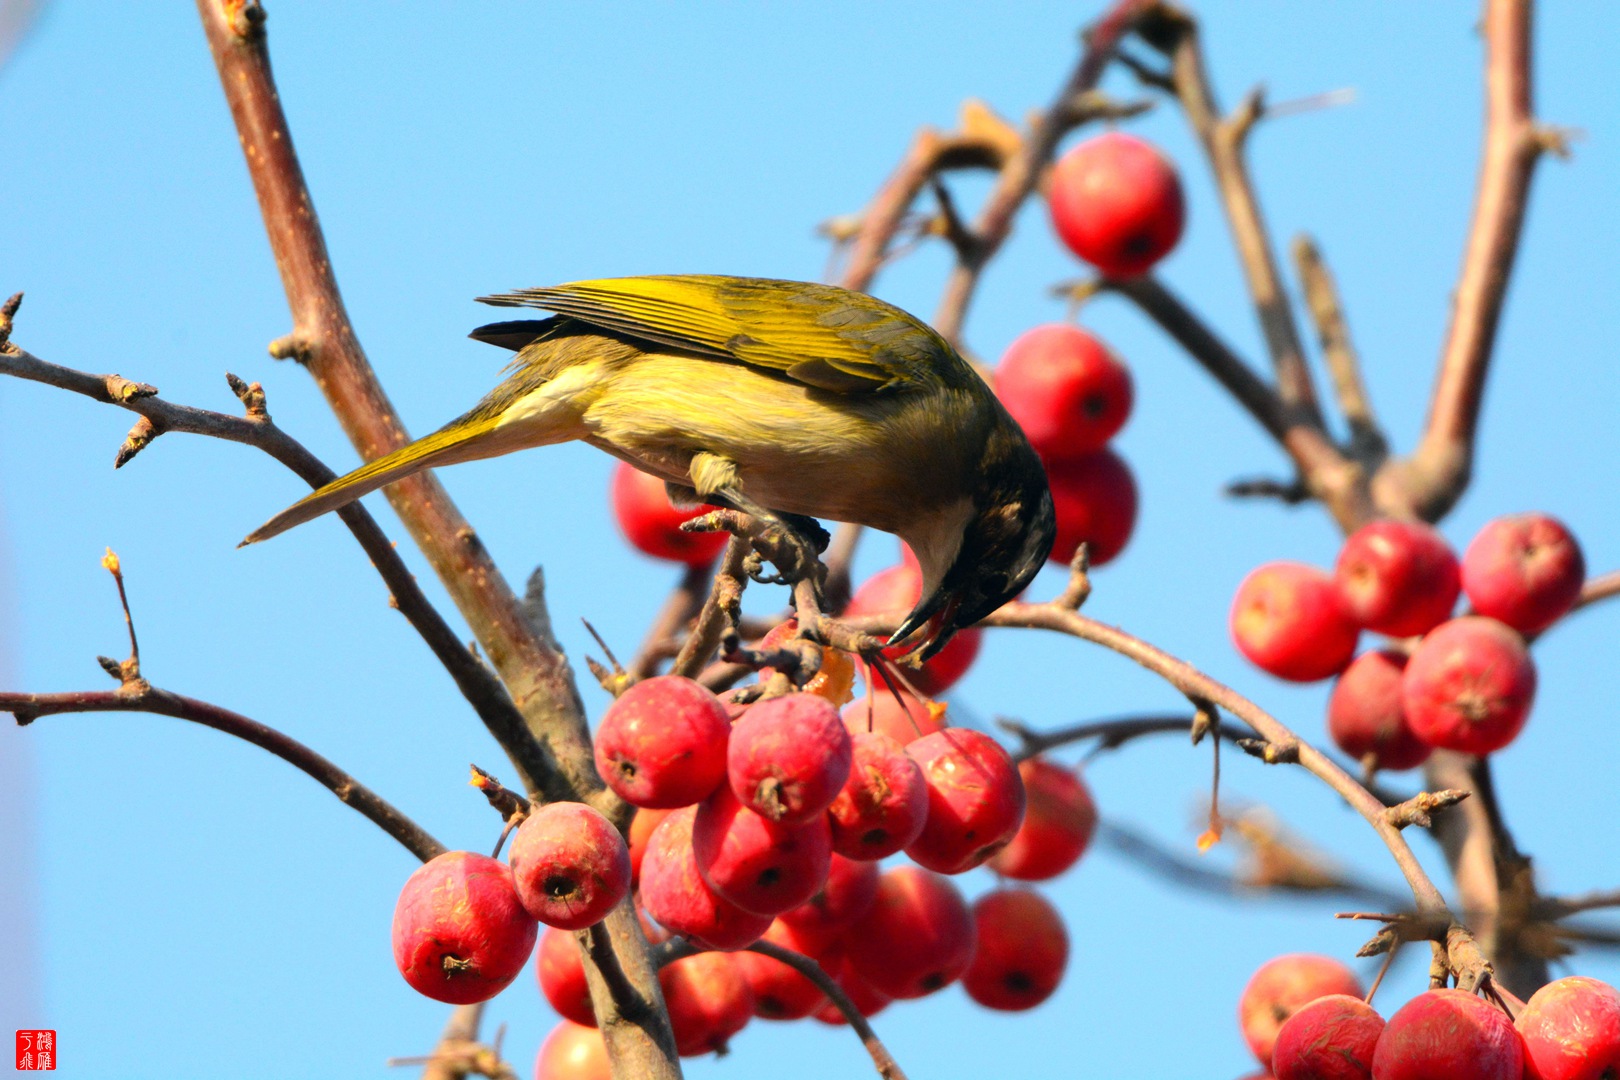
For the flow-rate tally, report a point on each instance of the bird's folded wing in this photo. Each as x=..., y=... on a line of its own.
x=819, y=335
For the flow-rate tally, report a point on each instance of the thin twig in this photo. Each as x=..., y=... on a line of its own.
x=1176, y=34
x=719, y=611
x=1464, y=954
x=475, y=681
x=1110, y=734
x=139, y=696
x=1367, y=442
x=1021, y=172
x=663, y=636
x=887, y=1067
x=1327, y=474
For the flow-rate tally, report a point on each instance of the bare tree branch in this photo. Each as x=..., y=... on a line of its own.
x=140, y=696
x=1434, y=477
x=1175, y=33
x=536, y=673
x=1467, y=961
x=481, y=689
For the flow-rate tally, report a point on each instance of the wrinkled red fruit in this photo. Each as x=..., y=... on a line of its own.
x=562, y=977
x=1446, y=1033
x=570, y=865
x=1469, y=686
x=641, y=830
x=916, y=938
x=757, y=864
x=652, y=523
x=1065, y=388
x=460, y=931
x=883, y=804
x=1571, y=1031
x=788, y=758
x=1524, y=570
x=662, y=744
x=867, y=999
x=573, y=1052
x=1398, y=577
x=1332, y=1038
x=975, y=800
x=1280, y=987
x=709, y=1002
x=1365, y=717
x=880, y=712
x=834, y=680
x=1094, y=498
x=1059, y=820
x=1021, y=950
x=780, y=993
x=674, y=893
x=1287, y=618
x=1116, y=202
x=846, y=895
x=896, y=591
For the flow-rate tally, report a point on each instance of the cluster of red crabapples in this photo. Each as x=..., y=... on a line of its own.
x=1461, y=683
x=767, y=823
x=1305, y=1018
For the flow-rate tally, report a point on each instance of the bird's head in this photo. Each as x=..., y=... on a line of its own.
x=1000, y=544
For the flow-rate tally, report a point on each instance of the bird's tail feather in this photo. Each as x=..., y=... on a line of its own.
x=457, y=442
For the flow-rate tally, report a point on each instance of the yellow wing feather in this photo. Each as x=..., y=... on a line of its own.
x=820, y=335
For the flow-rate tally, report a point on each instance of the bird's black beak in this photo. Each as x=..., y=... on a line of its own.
x=937, y=617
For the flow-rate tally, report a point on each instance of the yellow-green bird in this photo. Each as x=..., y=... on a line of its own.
x=777, y=398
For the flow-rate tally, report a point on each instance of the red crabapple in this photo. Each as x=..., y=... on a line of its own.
x=573, y=1052
x=896, y=590
x=1021, y=951
x=652, y=523
x=880, y=712
x=1365, y=717
x=562, y=977
x=1446, y=1033
x=460, y=931
x=1278, y=989
x=1469, y=686
x=883, y=804
x=662, y=743
x=1571, y=1031
x=708, y=1000
x=641, y=829
x=788, y=758
x=1067, y=391
x=1331, y=1038
x=975, y=799
x=1287, y=618
x=780, y=992
x=570, y=865
x=847, y=894
x=676, y=896
x=834, y=680
x=1059, y=819
x=916, y=938
x=1525, y=570
x=1398, y=577
x=1094, y=498
x=1117, y=203
x=755, y=863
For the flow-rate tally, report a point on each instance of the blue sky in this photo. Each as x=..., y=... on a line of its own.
x=200, y=908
